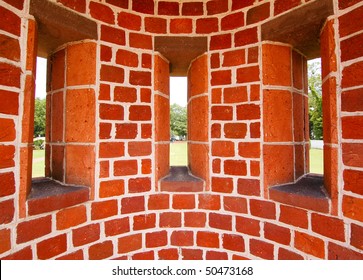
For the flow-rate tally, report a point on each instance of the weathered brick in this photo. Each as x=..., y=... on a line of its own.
x=129, y=243
x=86, y=234
x=102, y=12
x=309, y=244
x=132, y=204
x=30, y=230
x=261, y=249
x=129, y=21
x=222, y=185
x=52, y=247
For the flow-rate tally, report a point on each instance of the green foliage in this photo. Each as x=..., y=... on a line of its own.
x=315, y=101
x=39, y=117
x=178, y=120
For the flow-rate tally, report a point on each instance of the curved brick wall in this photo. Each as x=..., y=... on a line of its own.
x=236, y=216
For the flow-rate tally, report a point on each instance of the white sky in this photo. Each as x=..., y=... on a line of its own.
x=178, y=85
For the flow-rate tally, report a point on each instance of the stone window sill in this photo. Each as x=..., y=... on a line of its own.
x=179, y=179
x=308, y=192
x=48, y=195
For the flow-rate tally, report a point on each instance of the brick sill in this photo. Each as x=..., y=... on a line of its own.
x=48, y=195
x=179, y=179
x=308, y=192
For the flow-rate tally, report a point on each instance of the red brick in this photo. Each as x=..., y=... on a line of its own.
x=168, y=254
x=71, y=217
x=182, y=238
x=143, y=6
x=255, y=168
x=192, y=9
x=19, y=4
x=219, y=42
x=352, y=101
x=52, y=247
x=233, y=21
x=139, y=148
x=111, y=188
x=156, y=239
x=258, y=13
x=23, y=254
x=113, y=35
x=129, y=21
x=293, y=216
x=146, y=131
x=352, y=75
x=281, y=6
x=222, y=185
x=238, y=4
x=309, y=244
x=101, y=251
x=10, y=75
x=194, y=219
x=234, y=58
x=215, y=61
x=181, y=201
x=263, y=209
x=246, y=37
x=170, y=219
x=117, y=226
x=112, y=74
x=288, y=255
x=277, y=233
x=356, y=236
x=351, y=127
x=336, y=252
x=220, y=221
x=145, y=63
x=155, y=25
x=248, y=112
x=208, y=239
x=127, y=58
x=5, y=240
x=209, y=202
x=350, y=47
x=217, y=7
x=111, y=112
x=261, y=249
x=9, y=48
x=158, y=201
x=106, y=53
x=192, y=254
x=248, y=226
x=248, y=74
x=77, y=255
x=86, y=234
x=125, y=167
x=351, y=22
x=7, y=211
x=255, y=130
x=7, y=18
x=213, y=255
x=142, y=222
x=235, y=167
x=353, y=207
x=7, y=184
x=235, y=94
x=216, y=130
x=233, y=242
x=102, y=12
x=139, y=113
x=328, y=226
x=347, y=3
x=146, y=166
x=249, y=149
x=253, y=55
x=77, y=5
x=138, y=185
x=140, y=78
x=126, y=131
x=129, y=243
x=353, y=180
x=235, y=130
x=105, y=91
x=104, y=169
x=207, y=25
x=103, y=209
x=132, y=204
x=168, y=8
x=353, y=154
x=222, y=113
x=249, y=187
x=235, y=204
x=33, y=229
x=181, y=25
x=111, y=149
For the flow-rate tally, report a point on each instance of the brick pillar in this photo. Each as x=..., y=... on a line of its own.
x=161, y=117
x=71, y=106
x=198, y=118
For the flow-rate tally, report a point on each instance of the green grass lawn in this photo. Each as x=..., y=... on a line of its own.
x=178, y=154
x=316, y=161
x=38, y=163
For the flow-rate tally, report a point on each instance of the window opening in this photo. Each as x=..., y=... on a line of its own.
x=178, y=121
x=315, y=116
x=38, y=167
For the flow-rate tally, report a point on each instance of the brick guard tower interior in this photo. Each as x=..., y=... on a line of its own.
x=109, y=192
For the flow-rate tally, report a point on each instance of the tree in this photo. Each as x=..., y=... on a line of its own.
x=178, y=120
x=39, y=117
x=315, y=101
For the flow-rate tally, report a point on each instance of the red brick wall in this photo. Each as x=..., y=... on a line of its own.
x=127, y=216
